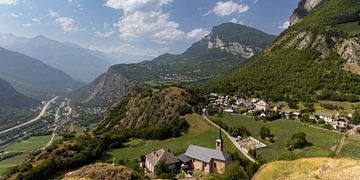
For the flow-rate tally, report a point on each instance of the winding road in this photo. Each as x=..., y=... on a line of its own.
x=42, y=112
x=232, y=139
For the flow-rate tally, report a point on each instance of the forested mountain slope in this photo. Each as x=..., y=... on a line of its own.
x=308, y=62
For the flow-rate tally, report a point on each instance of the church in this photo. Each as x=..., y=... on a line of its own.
x=205, y=160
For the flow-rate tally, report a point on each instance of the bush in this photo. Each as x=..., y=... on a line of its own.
x=356, y=117
x=297, y=141
x=185, y=110
x=265, y=132
x=239, y=131
x=234, y=172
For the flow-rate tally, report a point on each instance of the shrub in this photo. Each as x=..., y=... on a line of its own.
x=298, y=140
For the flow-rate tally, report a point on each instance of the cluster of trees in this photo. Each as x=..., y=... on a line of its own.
x=239, y=169
x=233, y=131
x=239, y=131
x=330, y=106
x=297, y=141
x=356, y=117
x=174, y=128
x=185, y=110
x=163, y=171
x=265, y=133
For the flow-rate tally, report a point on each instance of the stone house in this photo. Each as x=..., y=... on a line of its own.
x=153, y=159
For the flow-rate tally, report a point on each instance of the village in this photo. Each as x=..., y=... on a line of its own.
x=263, y=110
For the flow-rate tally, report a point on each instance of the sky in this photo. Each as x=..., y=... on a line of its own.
x=138, y=27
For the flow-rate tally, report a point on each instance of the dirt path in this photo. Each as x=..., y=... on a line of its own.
x=232, y=139
x=341, y=144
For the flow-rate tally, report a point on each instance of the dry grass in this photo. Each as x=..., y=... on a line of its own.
x=310, y=168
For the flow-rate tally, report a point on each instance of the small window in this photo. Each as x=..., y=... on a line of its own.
x=215, y=165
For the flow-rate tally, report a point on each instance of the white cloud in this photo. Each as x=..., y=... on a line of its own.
x=285, y=25
x=154, y=25
x=129, y=6
x=228, y=8
x=52, y=13
x=36, y=20
x=237, y=20
x=67, y=24
x=27, y=25
x=8, y=2
x=14, y=15
x=197, y=33
x=132, y=50
x=104, y=34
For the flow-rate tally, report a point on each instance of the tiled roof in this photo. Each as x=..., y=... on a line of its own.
x=183, y=158
x=155, y=157
x=206, y=154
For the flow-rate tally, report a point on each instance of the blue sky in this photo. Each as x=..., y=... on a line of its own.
x=138, y=27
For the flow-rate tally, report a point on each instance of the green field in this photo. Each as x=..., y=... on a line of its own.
x=351, y=28
x=323, y=141
x=349, y=107
x=200, y=133
x=26, y=147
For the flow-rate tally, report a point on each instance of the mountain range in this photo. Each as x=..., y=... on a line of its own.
x=80, y=63
x=226, y=47
x=32, y=77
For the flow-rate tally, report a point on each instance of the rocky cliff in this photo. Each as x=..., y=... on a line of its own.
x=303, y=9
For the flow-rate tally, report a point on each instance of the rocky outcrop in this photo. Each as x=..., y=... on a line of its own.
x=234, y=48
x=321, y=46
x=303, y=9
x=305, y=40
x=101, y=171
x=349, y=49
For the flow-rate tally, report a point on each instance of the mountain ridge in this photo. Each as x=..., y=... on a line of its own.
x=9, y=97
x=32, y=77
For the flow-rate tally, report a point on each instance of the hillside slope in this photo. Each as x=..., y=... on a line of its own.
x=33, y=78
x=9, y=97
x=306, y=63
x=152, y=107
x=106, y=89
x=310, y=168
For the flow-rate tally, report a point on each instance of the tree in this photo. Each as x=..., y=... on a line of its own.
x=239, y=131
x=298, y=140
x=265, y=132
x=234, y=172
x=356, y=117
x=162, y=168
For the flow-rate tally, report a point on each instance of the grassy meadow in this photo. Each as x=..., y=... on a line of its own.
x=25, y=147
x=323, y=142
x=351, y=28
x=200, y=133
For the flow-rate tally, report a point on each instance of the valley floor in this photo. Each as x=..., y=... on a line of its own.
x=25, y=147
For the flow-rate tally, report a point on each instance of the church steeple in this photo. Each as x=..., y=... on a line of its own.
x=219, y=142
